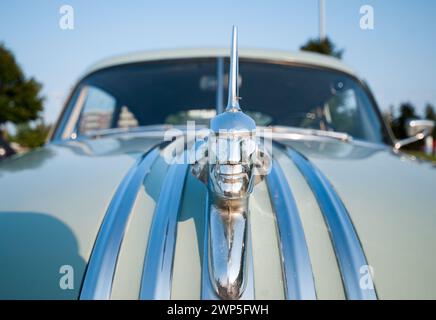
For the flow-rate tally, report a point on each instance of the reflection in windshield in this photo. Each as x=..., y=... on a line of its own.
x=200, y=116
x=173, y=92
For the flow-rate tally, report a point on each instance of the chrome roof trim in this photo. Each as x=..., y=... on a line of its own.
x=296, y=266
x=346, y=244
x=159, y=258
x=99, y=275
x=207, y=289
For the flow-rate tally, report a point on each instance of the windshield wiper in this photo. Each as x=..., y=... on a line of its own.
x=157, y=130
x=293, y=133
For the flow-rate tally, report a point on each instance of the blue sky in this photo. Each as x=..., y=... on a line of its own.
x=397, y=58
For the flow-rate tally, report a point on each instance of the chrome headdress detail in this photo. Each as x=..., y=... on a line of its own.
x=231, y=163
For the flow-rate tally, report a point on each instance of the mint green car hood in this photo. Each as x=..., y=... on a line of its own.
x=391, y=200
x=53, y=201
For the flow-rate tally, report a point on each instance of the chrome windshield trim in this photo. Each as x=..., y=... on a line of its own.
x=70, y=125
x=296, y=266
x=99, y=275
x=346, y=244
x=159, y=258
x=208, y=291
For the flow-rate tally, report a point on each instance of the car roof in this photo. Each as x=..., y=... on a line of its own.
x=304, y=58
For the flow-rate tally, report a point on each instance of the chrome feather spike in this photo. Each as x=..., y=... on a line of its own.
x=233, y=104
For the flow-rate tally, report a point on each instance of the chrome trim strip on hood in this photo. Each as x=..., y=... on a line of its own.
x=297, y=269
x=97, y=284
x=207, y=289
x=159, y=258
x=348, y=249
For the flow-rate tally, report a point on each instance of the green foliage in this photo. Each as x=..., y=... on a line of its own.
x=430, y=114
x=325, y=46
x=407, y=112
x=421, y=155
x=31, y=136
x=19, y=97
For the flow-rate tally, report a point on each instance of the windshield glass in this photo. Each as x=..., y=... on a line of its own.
x=173, y=92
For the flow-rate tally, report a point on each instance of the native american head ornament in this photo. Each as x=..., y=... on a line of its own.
x=231, y=162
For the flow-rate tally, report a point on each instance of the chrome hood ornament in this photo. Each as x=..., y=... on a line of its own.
x=231, y=163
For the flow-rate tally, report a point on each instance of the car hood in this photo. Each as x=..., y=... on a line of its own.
x=55, y=200
x=391, y=202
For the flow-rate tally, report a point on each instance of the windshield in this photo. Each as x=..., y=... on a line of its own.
x=172, y=92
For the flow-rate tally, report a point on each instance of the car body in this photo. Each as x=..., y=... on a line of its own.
x=336, y=217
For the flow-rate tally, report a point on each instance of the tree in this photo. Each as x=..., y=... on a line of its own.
x=20, y=102
x=31, y=137
x=407, y=112
x=325, y=46
x=430, y=114
x=20, y=99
